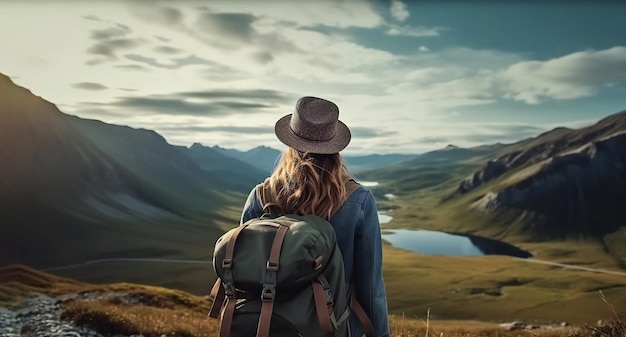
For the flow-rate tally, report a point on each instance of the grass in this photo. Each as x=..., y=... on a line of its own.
x=495, y=288
x=155, y=311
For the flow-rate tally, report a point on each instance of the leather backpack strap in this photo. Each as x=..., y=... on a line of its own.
x=266, y=200
x=269, y=283
x=323, y=303
x=351, y=187
x=218, y=295
x=360, y=313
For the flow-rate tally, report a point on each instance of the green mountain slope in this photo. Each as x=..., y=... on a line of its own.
x=73, y=189
x=220, y=163
x=430, y=169
x=560, y=186
x=567, y=182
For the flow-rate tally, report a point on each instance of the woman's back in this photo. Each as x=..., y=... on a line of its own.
x=310, y=178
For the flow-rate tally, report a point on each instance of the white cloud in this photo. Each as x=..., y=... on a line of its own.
x=395, y=30
x=580, y=74
x=306, y=13
x=398, y=10
x=287, y=49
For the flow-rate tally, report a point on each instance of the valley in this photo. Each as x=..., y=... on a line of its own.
x=74, y=191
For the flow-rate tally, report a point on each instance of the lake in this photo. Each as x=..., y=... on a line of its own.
x=447, y=244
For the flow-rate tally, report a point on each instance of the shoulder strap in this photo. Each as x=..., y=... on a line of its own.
x=351, y=187
x=264, y=195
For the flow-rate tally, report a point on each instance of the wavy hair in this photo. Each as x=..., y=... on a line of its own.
x=306, y=183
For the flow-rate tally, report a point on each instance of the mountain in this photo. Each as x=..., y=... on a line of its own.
x=261, y=157
x=222, y=163
x=72, y=189
x=358, y=164
x=565, y=182
x=264, y=158
x=429, y=169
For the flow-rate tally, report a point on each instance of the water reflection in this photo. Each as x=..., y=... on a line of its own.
x=441, y=243
x=384, y=218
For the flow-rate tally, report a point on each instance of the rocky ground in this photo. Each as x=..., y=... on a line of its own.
x=39, y=317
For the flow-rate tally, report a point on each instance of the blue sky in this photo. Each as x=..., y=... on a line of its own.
x=408, y=76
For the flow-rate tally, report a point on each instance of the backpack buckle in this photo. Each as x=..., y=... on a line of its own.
x=229, y=290
x=271, y=266
x=227, y=264
x=329, y=297
x=267, y=294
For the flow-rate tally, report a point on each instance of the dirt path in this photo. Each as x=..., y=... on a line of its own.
x=571, y=266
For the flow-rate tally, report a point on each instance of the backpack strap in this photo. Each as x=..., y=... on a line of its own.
x=265, y=197
x=323, y=303
x=229, y=284
x=217, y=296
x=360, y=313
x=322, y=294
x=269, y=282
x=351, y=187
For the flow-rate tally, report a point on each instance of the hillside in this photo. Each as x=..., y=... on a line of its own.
x=559, y=195
x=75, y=189
x=570, y=182
x=264, y=158
x=430, y=169
x=223, y=163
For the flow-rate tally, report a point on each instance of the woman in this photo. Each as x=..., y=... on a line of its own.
x=310, y=178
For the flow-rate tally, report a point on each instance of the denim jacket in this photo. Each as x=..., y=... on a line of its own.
x=359, y=239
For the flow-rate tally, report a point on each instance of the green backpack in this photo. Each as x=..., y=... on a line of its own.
x=281, y=275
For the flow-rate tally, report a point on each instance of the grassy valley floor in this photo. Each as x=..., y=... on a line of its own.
x=129, y=309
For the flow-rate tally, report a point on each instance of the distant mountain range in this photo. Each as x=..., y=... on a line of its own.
x=73, y=189
x=562, y=184
x=265, y=158
x=566, y=182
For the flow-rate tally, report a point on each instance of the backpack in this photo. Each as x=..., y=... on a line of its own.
x=282, y=275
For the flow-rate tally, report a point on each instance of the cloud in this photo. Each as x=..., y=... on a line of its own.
x=167, y=50
x=264, y=130
x=366, y=132
x=214, y=103
x=306, y=13
x=235, y=28
x=174, y=63
x=395, y=30
x=177, y=106
x=131, y=67
x=91, y=18
x=576, y=75
x=423, y=49
x=152, y=12
x=108, y=48
x=89, y=86
x=109, y=33
x=398, y=10
x=250, y=94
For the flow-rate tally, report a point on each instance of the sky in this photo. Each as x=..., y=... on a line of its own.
x=408, y=76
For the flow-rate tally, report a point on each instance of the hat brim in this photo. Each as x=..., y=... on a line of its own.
x=334, y=145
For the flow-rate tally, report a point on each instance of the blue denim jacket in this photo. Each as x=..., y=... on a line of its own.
x=359, y=239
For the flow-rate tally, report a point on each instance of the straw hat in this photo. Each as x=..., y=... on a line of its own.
x=313, y=127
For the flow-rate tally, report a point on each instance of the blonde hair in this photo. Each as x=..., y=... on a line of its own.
x=305, y=183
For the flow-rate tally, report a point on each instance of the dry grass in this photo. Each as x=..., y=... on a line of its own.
x=110, y=317
x=155, y=311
